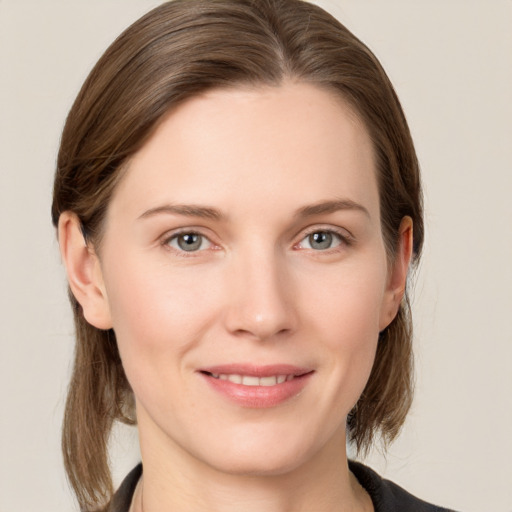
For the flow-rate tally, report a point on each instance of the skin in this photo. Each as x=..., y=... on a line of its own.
x=257, y=290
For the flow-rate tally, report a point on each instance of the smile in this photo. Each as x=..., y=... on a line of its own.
x=257, y=386
x=250, y=380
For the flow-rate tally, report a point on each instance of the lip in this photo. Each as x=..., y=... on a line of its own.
x=257, y=397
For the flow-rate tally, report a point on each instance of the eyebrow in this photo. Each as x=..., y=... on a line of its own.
x=206, y=212
x=188, y=210
x=324, y=207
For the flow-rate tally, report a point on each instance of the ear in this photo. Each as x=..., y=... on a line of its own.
x=397, y=276
x=84, y=272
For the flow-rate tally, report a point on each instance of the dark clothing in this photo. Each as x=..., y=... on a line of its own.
x=123, y=497
x=386, y=496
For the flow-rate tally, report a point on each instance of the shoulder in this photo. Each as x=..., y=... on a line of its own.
x=123, y=497
x=386, y=495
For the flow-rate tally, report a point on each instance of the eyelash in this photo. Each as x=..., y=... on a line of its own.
x=181, y=252
x=344, y=238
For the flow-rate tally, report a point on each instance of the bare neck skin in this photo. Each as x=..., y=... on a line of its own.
x=181, y=483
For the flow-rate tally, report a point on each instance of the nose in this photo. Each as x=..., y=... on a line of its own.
x=260, y=297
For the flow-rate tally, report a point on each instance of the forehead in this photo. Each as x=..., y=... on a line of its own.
x=291, y=143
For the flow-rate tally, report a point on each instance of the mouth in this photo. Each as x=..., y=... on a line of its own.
x=252, y=380
x=257, y=386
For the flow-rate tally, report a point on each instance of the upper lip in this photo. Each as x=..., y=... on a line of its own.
x=256, y=370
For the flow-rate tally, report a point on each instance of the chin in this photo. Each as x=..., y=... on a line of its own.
x=258, y=456
x=248, y=465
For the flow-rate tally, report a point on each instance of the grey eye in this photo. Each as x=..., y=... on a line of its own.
x=189, y=242
x=321, y=240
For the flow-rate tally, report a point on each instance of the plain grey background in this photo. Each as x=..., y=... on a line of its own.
x=451, y=63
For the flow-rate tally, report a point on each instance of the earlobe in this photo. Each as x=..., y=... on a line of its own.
x=397, y=278
x=84, y=272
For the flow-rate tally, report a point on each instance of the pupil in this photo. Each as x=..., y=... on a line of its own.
x=320, y=240
x=189, y=242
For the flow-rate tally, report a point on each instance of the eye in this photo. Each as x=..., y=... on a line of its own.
x=321, y=240
x=189, y=242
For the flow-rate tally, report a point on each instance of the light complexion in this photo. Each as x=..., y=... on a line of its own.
x=244, y=271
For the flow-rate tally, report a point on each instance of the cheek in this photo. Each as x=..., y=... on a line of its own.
x=157, y=311
x=348, y=301
x=159, y=318
x=345, y=316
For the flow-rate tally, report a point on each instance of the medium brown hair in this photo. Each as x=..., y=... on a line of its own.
x=172, y=53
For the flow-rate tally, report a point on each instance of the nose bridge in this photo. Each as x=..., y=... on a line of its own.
x=261, y=292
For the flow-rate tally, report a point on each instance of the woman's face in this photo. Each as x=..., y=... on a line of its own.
x=244, y=272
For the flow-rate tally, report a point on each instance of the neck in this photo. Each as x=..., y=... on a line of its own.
x=180, y=482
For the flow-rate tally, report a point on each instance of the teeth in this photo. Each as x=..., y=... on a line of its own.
x=249, y=380
x=268, y=381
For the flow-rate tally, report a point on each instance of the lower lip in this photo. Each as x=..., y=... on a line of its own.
x=258, y=397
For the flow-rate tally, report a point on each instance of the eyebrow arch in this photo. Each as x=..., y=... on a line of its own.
x=189, y=210
x=206, y=212
x=324, y=207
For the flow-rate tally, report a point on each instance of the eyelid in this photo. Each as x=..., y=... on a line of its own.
x=347, y=239
x=166, y=238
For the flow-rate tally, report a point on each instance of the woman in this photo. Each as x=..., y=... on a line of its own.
x=238, y=203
